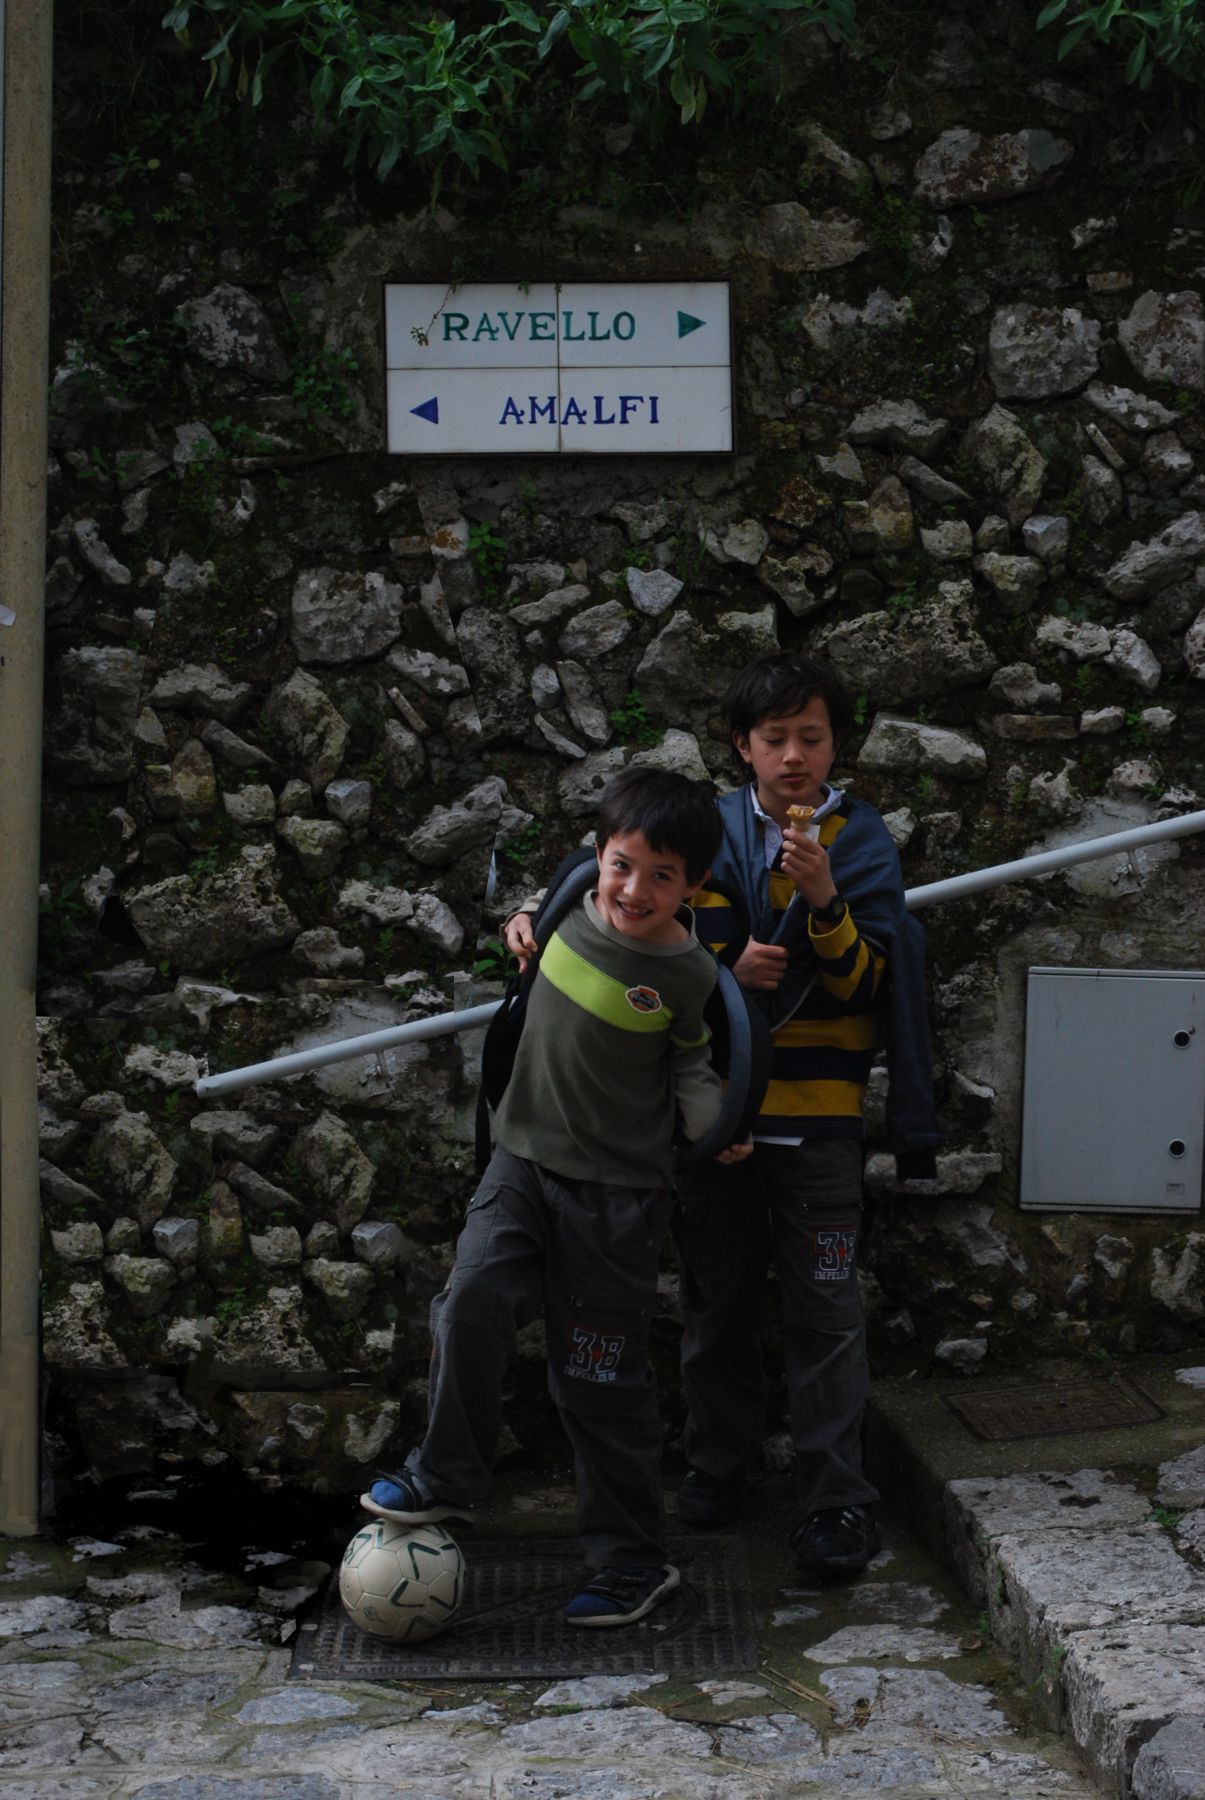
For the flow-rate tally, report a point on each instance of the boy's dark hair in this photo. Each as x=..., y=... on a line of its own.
x=783, y=682
x=676, y=815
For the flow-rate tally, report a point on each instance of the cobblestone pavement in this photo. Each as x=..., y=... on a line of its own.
x=143, y=1663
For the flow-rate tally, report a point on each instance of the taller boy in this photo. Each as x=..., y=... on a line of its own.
x=811, y=918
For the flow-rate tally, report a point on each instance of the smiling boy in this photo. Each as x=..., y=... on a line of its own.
x=571, y=1212
x=810, y=920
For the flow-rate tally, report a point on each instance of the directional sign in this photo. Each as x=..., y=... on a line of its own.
x=434, y=410
x=545, y=367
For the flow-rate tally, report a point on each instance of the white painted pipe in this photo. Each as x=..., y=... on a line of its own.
x=976, y=881
x=372, y=1043
x=444, y=1024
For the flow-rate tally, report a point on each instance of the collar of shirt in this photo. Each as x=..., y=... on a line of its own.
x=772, y=830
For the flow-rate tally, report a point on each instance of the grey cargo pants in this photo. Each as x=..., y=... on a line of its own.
x=797, y=1209
x=586, y=1255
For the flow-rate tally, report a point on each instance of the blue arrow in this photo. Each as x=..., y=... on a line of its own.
x=428, y=410
x=688, y=323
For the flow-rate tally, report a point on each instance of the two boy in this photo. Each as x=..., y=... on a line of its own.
x=809, y=918
x=571, y=1213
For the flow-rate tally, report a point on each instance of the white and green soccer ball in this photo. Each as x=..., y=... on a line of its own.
x=402, y=1582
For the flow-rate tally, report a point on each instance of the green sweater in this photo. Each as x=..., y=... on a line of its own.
x=613, y=1042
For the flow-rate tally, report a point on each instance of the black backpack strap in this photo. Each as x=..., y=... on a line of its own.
x=571, y=879
x=483, y=1143
x=729, y=892
x=741, y=1052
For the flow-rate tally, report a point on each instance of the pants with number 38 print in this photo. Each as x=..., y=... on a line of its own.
x=585, y=1255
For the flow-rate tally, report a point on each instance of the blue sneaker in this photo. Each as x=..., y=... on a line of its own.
x=620, y=1596
x=400, y=1498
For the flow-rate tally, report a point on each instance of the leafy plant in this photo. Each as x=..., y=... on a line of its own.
x=893, y=224
x=414, y=88
x=678, y=53
x=632, y=723
x=1137, y=729
x=146, y=357
x=98, y=468
x=205, y=863
x=1161, y=31
x=493, y=959
x=141, y=359
x=524, y=842
x=320, y=384
x=905, y=599
x=238, y=439
x=235, y=1306
x=60, y=916
x=487, y=553
x=407, y=87
x=689, y=552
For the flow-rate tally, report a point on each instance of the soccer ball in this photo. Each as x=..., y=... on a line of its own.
x=402, y=1582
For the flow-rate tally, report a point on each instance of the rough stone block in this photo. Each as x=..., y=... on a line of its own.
x=978, y=1512
x=1045, y=1585
x=1121, y=1685
x=1172, y=1765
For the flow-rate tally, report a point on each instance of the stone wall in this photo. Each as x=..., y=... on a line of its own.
x=302, y=696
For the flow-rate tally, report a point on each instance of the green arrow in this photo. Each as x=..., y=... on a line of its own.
x=688, y=323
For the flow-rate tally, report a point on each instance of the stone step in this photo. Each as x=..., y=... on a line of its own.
x=1085, y=1551
x=1088, y=1590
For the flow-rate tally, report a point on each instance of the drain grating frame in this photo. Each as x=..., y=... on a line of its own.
x=509, y=1625
x=1053, y=1409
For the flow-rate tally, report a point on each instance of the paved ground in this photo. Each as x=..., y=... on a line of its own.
x=140, y=1668
x=154, y=1660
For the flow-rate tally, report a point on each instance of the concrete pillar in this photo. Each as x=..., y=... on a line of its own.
x=24, y=350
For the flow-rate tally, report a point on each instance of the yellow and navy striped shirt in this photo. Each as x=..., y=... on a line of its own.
x=821, y=1056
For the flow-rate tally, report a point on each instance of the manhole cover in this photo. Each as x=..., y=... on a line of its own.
x=1053, y=1408
x=510, y=1625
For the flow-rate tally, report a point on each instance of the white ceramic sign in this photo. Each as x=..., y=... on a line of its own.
x=543, y=367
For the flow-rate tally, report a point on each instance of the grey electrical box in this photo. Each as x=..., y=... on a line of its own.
x=1114, y=1107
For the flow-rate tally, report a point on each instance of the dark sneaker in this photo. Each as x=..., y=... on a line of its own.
x=400, y=1498
x=840, y=1540
x=620, y=1596
x=704, y=1499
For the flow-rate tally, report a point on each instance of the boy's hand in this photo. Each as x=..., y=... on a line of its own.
x=736, y=1152
x=516, y=935
x=760, y=966
x=806, y=862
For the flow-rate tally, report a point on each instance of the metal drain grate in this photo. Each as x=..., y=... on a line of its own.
x=1053, y=1408
x=510, y=1625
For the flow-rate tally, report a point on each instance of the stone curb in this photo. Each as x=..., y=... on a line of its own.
x=1086, y=1589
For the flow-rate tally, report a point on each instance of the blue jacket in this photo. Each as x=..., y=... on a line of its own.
x=866, y=869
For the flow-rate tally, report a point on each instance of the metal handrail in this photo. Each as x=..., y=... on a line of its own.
x=976, y=881
x=1044, y=862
